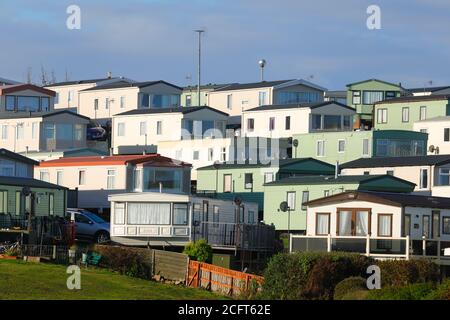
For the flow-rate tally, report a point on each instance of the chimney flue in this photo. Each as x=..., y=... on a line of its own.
x=109, y=74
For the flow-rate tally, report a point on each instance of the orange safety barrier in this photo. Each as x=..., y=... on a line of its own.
x=220, y=279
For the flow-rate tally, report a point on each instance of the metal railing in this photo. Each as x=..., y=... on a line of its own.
x=376, y=247
x=238, y=236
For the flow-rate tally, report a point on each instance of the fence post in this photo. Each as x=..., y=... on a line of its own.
x=290, y=242
x=368, y=245
x=199, y=279
x=407, y=248
x=54, y=252
x=424, y=246
x=329, y=243
x=153, y=262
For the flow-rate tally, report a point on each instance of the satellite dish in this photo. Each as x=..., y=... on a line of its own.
x=26, y=191
x=237, y=200
x=284, y=206
x=295, y=143
x=431, y=148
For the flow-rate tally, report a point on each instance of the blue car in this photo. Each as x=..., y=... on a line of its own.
x=89, y=226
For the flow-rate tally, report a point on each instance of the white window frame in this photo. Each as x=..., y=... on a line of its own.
x=339, y=145
x=405, y=115
x=423, y=115
x=143, y=128
x=110, y=179
x=159, y=127
x=121, y=129
x=320, y=151
x=82, y=177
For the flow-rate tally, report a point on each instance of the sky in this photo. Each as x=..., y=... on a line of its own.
x=324, y=41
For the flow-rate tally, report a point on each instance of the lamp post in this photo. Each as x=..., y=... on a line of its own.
x=284, y=207
x=217, y=166
x=262, y=64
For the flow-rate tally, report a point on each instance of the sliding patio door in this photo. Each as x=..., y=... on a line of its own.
x=353, y=222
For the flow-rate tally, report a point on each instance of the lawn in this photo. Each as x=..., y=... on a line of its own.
x=29, y=281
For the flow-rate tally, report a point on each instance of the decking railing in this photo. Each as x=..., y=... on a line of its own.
x=376, y=247
x=236, y=236
x=221, y=280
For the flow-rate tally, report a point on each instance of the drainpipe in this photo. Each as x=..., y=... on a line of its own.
x=160, y=187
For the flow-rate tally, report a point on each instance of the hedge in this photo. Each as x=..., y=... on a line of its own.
x=350, y=288
x=310, y=275
x=398, y=273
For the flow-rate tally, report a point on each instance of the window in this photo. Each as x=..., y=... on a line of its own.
x=34, y=130
x=288, y=123
x=18, y=203
x=332, y=122
x=292, y=97
x=188, y=100
x=385, y=225
x=121, y=129
x=250, y=124
x=180, y=214
x=435, y=226
x=229, y=101
x=227, y=183
x=106, y=103
x=122, y=102
x=4, y=132
x=70, y=96
x=382, y=114
x=148, y=213
x=290, y=199
x=223, y=155
x=248, y=181
x=326, y=193
x=45, y=103
x=4, y=201
x=446, y=225
x=119, y=213
x=268, y=177
x=371, y=97
x=356, y=97
x=20, y=131
x=320, y=148
x=423, y=113
x=353, y=222
x=59, y=177
x=195, y=155
x=166, y=179
x=81, y=177
x=251, y=217
x=143, y=128
x=271, y=123
x=341, y=146
x=365, y=147
x=28, y=104
x=110, y=183
x=447, y=134
x=426, y=226
x=390, y=94
x=51, y=204
x=96, y=104
x=10, y=103
x=137, y=179
x=159, y=127
x=322, y=224
x=407, y=226
x=210, y=154
x=216, y=214
x=305, y=198
x=405, y=114
x=262, y=98
x=444, y=176
x=423, y=178
x=366, y=173
x=144, y=100
x=44, y=176
x=78, y=133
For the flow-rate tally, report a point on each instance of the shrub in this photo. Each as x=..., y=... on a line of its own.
x=199, y=250
x=442, y=292
x=132, y=262
x=416, y=291
x=350, y=287
x=400, y=273
x=310, y=275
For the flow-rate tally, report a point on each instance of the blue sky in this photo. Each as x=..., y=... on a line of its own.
x=154, y=39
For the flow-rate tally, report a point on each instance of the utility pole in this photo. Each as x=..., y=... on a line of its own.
x=199, y=31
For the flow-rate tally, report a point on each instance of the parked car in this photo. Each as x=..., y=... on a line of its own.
x=96, y=132
x=89, y=226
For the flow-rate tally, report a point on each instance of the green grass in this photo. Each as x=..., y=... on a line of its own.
x=28, y=281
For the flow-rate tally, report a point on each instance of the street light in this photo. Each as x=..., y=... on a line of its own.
x=199, y=31
x=262, y=63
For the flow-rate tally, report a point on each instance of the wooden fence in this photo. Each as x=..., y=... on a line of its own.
x=170, y=265
x=221, y=280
